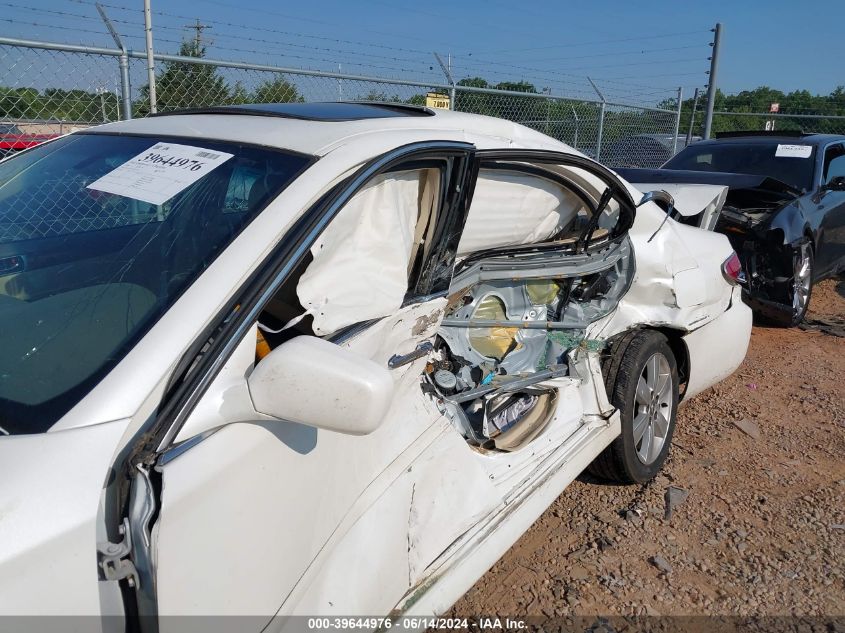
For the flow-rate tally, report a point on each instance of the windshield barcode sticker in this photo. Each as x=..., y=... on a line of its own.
x=794, y=151
x=159, y=173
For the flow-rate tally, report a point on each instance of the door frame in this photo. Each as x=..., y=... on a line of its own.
x=131, y=499
x=550, y=157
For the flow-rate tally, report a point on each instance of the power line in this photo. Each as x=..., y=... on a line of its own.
x=615, y=53
x=539, y=73
x=258, y=28
x=566, y=82
x=613, y=41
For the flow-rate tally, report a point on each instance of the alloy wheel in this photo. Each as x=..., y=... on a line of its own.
x=652, y=408
x=802, y=279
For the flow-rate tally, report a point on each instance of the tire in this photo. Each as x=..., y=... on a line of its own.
x=636, y=358
x=803, y=269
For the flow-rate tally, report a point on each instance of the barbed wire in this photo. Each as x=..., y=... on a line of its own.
x=384, y=58
x=536, y=71
x=614, y=53
x=613, y=41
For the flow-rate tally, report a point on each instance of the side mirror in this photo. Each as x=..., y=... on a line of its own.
x=835, y=184
x=316, y=383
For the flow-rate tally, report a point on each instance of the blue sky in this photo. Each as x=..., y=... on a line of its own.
x=633, y=50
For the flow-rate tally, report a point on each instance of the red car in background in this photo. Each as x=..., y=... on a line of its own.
x=12, y=139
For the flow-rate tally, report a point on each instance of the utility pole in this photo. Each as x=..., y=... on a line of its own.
x=711, y=85
x=199, y=28
x=151, y=71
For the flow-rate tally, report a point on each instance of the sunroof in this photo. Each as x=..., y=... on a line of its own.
x=339, y=111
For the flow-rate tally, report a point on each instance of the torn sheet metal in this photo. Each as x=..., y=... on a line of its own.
x=691, y=200
x=360, y=267
x=511, y=208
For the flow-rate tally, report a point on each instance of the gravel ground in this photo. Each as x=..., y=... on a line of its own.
x=762, y=530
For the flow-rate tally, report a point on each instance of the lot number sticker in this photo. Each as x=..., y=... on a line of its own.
x=159, y=173
x=794, y=151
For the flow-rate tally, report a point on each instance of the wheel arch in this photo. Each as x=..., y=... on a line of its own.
x=675, y=340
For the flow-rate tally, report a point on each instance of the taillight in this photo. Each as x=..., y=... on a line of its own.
x=732, y=269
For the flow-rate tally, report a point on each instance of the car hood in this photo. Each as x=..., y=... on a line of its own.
x=734, y=182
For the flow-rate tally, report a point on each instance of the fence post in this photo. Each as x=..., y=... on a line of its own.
x=711, y=87
x=602, y=112
x=600, y=134
x=124, y=86
x=678, y=120
x=151, y=71
x=692, y=117
x=447, y=70
x=124, y=64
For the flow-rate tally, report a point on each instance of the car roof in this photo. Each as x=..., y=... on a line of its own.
x=317, y=111
x=758, y=138
x=318, y=128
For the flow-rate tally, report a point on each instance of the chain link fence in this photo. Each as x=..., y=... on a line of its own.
x=50, y=88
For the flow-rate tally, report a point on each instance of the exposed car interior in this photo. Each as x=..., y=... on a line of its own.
x=519, y=309
x=525, y=287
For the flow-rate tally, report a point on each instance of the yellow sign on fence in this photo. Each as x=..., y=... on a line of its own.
x=437, y=100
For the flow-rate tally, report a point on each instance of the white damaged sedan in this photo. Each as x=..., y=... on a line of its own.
x=326, y=359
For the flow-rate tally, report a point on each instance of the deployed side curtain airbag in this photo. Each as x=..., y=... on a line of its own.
x=512, y=208
x=360, y=267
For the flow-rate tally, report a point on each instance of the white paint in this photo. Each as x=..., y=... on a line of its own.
x=692, y=199
x=389, y=547
x=291, y=383
x=227, y=398
x=793, y=151
x=474, y=554
x=286, y=492
x=159, y=173
x=49, y=496
x=320, y=138
x=690, y=289
x=718, y=348
x=278, y=517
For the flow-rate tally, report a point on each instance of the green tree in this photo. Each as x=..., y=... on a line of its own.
x=475, y=102
x=239, y=94
x=278, y=90
x=187, y=84
x=378, y=95
x=21, y=103
x=419, y=100
x=529, y=110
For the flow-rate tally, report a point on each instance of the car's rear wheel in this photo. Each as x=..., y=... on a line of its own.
x=642, y=383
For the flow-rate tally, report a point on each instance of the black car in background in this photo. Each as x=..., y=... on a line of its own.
x=643, y=150
x=784, y=213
